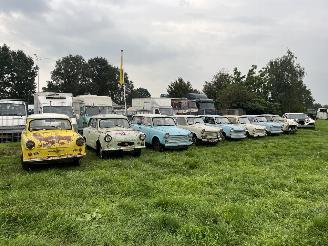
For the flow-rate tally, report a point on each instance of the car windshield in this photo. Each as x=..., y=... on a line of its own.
x=261, y=119
x=163, y=121
x=67, y=110
x=12, y=109
x=296, y=116
x=50, y=124
x=94, y=110
x=195, y=120
x=109, y=123
x=206, y=105
x=277, y=118
x=222, y=120
x=244, y=120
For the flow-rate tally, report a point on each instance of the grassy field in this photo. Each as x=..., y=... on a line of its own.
x=270, y=191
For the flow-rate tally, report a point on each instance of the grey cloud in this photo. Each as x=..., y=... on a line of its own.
x=30, y=6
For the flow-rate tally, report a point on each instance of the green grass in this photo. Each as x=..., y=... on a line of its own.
x=270, y=191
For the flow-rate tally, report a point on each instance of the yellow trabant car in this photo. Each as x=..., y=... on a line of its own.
x=50, y=137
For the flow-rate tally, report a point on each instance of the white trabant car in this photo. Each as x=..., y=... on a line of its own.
x=252, y=130
x=288, y=125
x=201, y=132
x=302, y=120
x=110, y=132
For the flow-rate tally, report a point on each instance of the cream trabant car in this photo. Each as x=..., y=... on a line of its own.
x=252, y=130
x=201, y=132
x=110, y=132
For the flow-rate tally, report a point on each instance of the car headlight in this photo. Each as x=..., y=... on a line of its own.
x=231, y=130
x=30, y=144
x=80, y=141
x=142, y=137
x=190, y=135
x=108, y=138
x=167, y=135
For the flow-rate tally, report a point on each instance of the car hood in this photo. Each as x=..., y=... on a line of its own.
x=201, y=127
x=256, y=127
x=52, y=138
x=120, y=131
x=172, y=130
x=236, y=127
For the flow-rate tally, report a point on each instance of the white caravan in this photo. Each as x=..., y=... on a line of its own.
x=154, y=105
x=322, y=114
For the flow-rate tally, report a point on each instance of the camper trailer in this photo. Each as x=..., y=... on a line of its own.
x=154, y=105
x=322, y=114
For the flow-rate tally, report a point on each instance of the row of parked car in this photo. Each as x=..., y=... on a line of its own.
x=51, y=137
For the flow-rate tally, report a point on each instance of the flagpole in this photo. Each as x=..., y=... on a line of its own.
x=123, y=83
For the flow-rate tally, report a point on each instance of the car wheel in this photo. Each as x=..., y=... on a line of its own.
x=77, y=162
x=157, y=145
x=136, y=152
x=247, y=134
x=100, y=152
x=25, y=166
x=194, y=138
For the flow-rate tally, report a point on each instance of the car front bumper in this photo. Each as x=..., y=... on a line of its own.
x=66, y=158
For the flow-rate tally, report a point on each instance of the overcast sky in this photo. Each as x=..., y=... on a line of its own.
x=165, y=39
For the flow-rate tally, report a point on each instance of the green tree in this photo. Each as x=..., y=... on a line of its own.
x=284, y=78
x=17, y=74
x=71, y=75
x=140, y=93
x=179, y=88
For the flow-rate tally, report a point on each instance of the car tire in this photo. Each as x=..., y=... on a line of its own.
x=136, y=152
x=24, y=165
x=77, y=162
x=194, y=139
x=157, y=145
x=102, y=154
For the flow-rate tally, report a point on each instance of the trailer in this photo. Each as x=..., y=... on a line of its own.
x=58, y=103
x=322, y=114
x=154, y=105
x=86, y=106
x=204, y=104
x=13, y=115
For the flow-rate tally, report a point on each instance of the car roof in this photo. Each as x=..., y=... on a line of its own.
x=295, y=113
x=187, y=115
x=153, y=115
x=111, y=116
x=48, y=116
x=211, y=115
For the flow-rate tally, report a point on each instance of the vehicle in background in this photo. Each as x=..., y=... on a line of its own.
x=161, y=131
x=30, y=109
x=288, y=125
x=322, y=114
x=108, y=133
x=201, y=132
x=252, y=130
x=183, y=106
x=204, y=104
x=12, y=119
x=50, y=137
x=230, y=130
x=154, y=105
x=86, y=106
x=303, y=120
x=57, y=103
x=272, y=128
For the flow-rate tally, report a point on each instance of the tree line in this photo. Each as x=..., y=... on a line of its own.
x=277, y=87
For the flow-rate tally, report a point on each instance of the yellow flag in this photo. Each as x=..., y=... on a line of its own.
x=121, y=70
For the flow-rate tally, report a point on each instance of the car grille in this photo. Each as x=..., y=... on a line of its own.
x=177, y=139
x=125, y=144
x=239, y=131
x=211, y=134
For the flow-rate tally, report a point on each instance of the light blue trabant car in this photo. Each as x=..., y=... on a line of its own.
x=161, y=131
x=232, y=131
x=272, y=128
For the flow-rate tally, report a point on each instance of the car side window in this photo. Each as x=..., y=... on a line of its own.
x=210, y=120
x=93, y=123
x=146, y=121
x=181, y=121
x=137, y=120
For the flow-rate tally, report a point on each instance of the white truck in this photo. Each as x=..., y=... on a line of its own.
x=153, y=105
x=322, y=114
x=12, y=119
x=52, y=102
x=86, y=106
